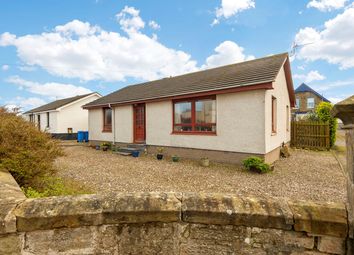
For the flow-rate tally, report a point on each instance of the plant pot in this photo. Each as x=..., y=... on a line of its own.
x=204, y=162
x=135, y=154
x=104, y=148
x=175, y=159
x=159, y=156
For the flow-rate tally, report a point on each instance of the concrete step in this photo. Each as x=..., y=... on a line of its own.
x=123, y=153
x=127, y=149
x=140, y=147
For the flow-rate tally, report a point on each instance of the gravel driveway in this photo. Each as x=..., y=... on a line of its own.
x=305, y=175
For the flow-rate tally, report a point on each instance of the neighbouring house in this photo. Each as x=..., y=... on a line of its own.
x=62, y=118
x=306, y=100
x=226, y=113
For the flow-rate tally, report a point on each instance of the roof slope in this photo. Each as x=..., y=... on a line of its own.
x=305, y=88
x=57, y=104
x=259, y=71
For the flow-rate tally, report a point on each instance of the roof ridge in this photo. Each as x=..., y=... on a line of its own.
x=210, y=69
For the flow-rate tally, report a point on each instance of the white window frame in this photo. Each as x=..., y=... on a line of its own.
x=297, y=103
x=310, y=105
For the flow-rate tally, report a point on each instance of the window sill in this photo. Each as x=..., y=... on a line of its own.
x=107, y=131
x=274, y=133
x=194, y=133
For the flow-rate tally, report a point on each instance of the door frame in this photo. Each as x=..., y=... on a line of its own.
x=134, y=123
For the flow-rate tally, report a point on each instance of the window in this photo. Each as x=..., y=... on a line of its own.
x=297, y=103
x=31, y=118
x=195, y=116
x=70, y=130
x=310, y=103
x=39, y=121
x=107, y=120
x=47, y=119
x=287, y=118
x=274, y=115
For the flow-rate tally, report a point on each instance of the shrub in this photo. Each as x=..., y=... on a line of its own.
x=55, y=187
x=323, y=112
x=26, y=152
x=256, y=164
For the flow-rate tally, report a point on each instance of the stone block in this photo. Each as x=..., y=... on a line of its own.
x=331, y=245
x=320, y=218
x=281, y=241
x=60, y=241
x=59, y=212
x=106, y=240
x=7, y=218
x=93, y=210
x=235, y=210
x=10, y=244
x=142, y=208
x=149, y=238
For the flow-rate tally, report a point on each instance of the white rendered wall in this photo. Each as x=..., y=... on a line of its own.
x=74, y=116
x=280, y=92
x=240, y=125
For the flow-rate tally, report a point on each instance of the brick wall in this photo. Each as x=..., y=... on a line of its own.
x=303, y=101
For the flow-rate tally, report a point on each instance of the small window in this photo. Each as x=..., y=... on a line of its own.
x=48, y=120
x=197, y=115
x=297, y=103
x=70, y=130
x=274, y=115
x=287, y=118
x=107, y=120
x=310, y=103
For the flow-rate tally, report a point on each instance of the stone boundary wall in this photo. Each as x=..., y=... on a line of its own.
x=167, y=223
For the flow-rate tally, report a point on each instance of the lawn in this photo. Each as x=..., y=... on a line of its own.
x=306, y=175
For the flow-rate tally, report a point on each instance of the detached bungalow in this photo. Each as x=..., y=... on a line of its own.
x=62, y=118
x=226, y=113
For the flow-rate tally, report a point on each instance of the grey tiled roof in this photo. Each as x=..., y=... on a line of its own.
x=57, y=104
x=246, y=73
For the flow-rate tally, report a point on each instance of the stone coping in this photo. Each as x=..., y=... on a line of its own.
x=25, y=215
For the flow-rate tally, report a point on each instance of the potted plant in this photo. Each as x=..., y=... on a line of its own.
x=204, y=162
x=175, y=158
x=105, y=146
x=159, y=155
x=256, y=164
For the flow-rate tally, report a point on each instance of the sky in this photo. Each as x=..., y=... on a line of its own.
x=60, y=48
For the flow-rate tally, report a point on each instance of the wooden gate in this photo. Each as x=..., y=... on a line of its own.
x=308, y=134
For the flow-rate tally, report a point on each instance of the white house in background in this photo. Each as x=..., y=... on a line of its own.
x=226, y=113
x=63, y=118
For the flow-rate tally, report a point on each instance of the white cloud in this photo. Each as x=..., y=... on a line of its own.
x=333, y=44
x=80, y=50
x=154, y=25
x=230, y=8
x=130, y=20
x=310, y=77
x=5, y=67
x=327, y=5
x=227, y=52
x=336, y=84
x=24, y=103
x=50, y=89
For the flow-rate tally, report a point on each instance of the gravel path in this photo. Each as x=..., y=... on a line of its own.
x=305, y=175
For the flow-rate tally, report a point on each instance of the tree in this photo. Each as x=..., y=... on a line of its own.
x=323, y=112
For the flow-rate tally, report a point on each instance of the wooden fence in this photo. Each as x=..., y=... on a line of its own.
x=308, y=134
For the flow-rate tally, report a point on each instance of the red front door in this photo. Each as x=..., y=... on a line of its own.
x=139, y=123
